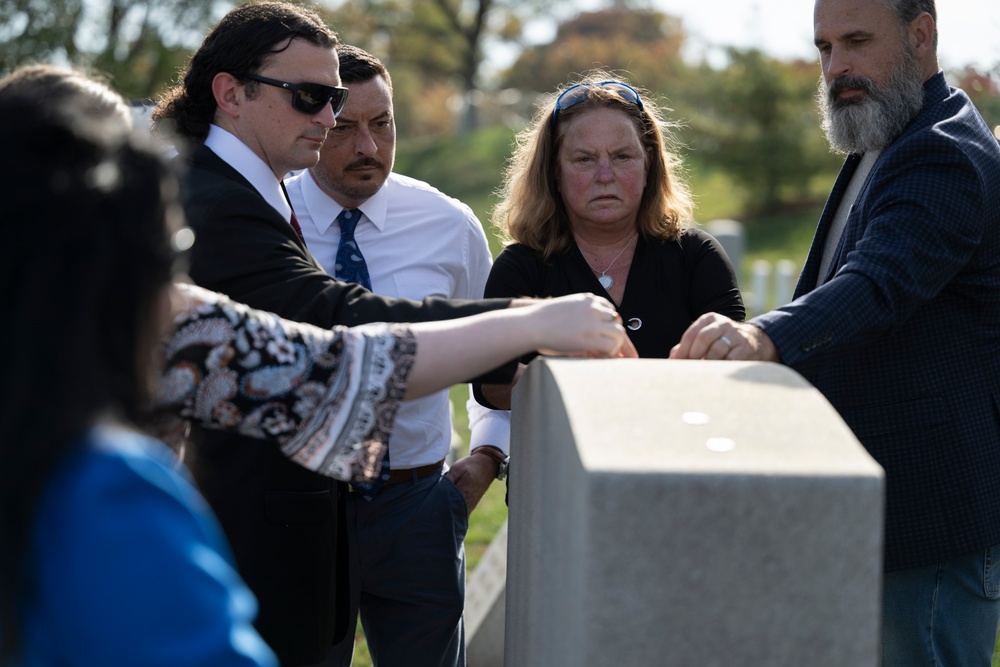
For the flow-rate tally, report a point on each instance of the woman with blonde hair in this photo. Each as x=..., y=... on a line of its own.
x=594, y=200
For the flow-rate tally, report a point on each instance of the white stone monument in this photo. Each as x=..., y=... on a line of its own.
x=731, y=234
x=688, y=513
x=485, y=595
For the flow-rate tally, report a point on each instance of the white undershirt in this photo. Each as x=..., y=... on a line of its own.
x=844, y=211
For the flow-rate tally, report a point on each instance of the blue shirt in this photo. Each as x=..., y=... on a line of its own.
x=128, y=566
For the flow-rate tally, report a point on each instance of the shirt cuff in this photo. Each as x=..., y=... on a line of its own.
x=488, y=427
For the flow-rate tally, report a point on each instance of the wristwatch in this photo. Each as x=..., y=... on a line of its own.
x=502, y=469
x=502, y=460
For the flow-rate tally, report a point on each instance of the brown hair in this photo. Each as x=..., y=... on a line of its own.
x=531, y=211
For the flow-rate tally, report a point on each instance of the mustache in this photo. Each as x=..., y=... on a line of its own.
x=365, y=162
x=840, y=84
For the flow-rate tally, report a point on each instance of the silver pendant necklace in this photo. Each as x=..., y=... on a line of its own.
x=606, y=280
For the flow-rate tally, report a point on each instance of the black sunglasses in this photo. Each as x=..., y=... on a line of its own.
x=580, y=92
x=309, y=98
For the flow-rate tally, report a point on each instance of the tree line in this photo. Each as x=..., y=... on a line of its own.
x=753, y=118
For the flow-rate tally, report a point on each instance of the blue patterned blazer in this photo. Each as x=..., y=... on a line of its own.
x=904, y=337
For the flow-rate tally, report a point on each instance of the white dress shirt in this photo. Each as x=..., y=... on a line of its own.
x=417, y=243
x=238, y=155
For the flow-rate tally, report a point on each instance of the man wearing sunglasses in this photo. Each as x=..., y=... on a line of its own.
x=256, y=102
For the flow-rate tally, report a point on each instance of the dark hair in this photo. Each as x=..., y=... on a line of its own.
x=359, y=66
x=59, y=89
x=240, y=44
x=907, y=10
x=85, y=256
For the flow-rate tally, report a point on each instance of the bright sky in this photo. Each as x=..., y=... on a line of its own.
x=969, y=30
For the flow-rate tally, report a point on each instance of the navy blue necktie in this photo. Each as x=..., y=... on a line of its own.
x=351, y=267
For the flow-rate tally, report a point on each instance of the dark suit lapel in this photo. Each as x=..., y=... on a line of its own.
x=810, y=272
x=205, y=158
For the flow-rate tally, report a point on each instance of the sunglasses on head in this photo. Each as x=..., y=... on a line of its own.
x=309, y=98
x=576, y=94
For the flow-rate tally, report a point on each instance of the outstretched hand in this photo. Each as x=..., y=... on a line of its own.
x=583, y=325
x=714, y=336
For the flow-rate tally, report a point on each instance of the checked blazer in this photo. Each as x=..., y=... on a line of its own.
x=903, y=338
x=283, y=521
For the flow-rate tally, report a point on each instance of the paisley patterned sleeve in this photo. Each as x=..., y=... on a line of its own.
x=328, y=398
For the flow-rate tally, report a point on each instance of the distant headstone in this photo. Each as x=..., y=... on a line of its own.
x=688, y=513
x=484, y=605
x=732, y=235
x=757, y=299
x=785, y=275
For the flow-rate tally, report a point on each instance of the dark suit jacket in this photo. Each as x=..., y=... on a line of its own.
x=281, y=519
x=904, y=339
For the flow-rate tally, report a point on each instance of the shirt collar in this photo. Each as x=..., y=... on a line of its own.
x=324, y=210
x=239, y=156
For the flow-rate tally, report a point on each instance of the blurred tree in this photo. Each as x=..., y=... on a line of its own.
x=757, y=120
x=435, y=41
x=139, y=44
x=984, y=90
x=642, y=44
x=754, y=119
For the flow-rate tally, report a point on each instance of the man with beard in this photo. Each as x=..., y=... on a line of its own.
x=406, y=538
x=896, y=319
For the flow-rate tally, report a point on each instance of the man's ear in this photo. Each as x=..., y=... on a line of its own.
x=921, y=34
x=228, y=93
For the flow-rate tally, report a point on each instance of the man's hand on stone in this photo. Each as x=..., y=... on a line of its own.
x=714, y=336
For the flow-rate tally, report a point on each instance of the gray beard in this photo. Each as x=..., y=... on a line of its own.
x=874, y=120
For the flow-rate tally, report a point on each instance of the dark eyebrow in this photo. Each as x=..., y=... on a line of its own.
x=854, y=34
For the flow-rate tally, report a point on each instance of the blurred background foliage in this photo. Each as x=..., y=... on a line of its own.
x=749, y=127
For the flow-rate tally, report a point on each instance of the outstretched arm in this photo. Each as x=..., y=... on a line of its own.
x=314, y=391
x=578, y=325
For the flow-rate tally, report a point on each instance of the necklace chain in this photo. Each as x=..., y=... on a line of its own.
x=606, y=280
x=620, y=253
